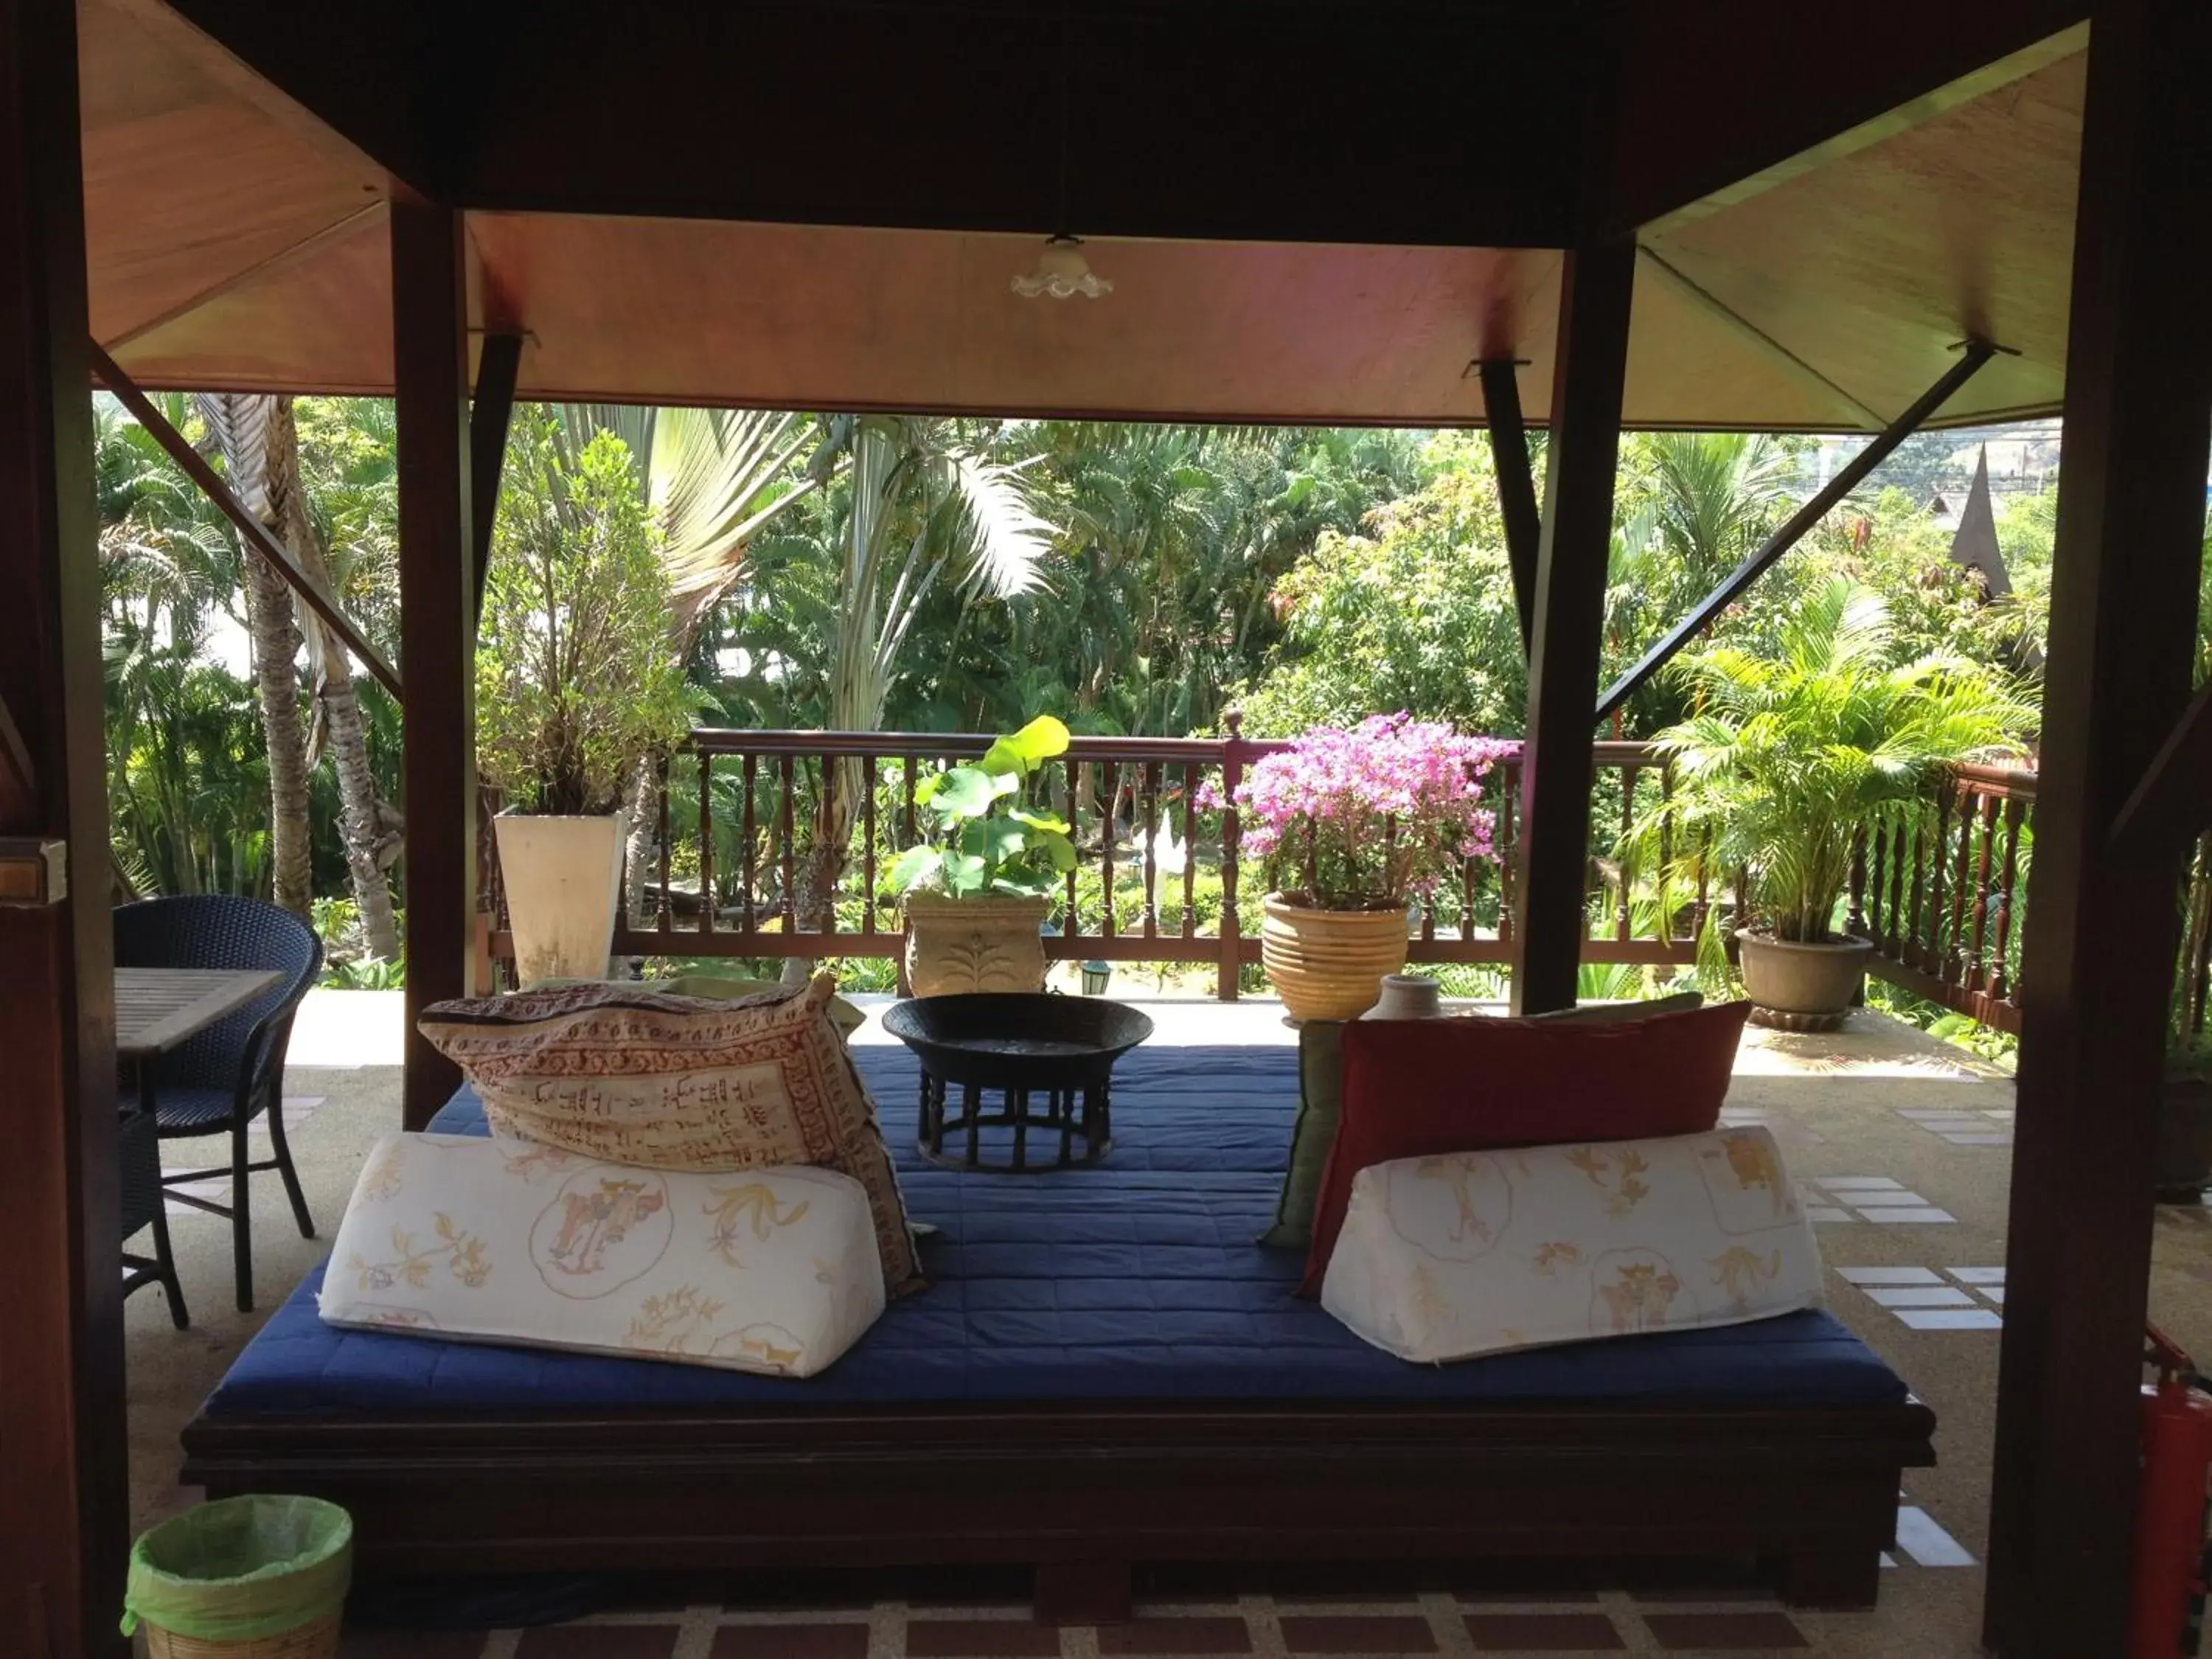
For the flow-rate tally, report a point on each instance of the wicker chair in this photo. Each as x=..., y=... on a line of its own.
x=143, y=1207
x=220, y=1080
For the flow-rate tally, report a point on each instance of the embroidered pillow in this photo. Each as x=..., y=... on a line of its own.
x=1419, y=1088
x=1446, y=1257
x=490, y=1241
x=625, y=1075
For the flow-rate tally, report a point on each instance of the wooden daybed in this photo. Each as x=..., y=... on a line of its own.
x=1104, y=1374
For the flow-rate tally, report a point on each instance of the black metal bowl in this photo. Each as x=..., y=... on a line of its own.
x=1017, y=1040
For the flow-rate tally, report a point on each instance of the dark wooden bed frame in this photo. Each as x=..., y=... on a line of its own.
x=1085, y=1493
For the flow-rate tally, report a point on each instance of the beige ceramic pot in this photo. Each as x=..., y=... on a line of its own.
x=563, y=881
x=959, y=944
x=1329, y=964
x=1813, y=981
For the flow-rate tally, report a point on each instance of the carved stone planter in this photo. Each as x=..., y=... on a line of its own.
x=958, y=944
x=1329, y=964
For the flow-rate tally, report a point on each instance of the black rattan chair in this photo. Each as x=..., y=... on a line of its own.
x=143, y=1207
x=221, y=1078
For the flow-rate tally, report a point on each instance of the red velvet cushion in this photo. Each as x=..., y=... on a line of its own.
x=1417, y=1088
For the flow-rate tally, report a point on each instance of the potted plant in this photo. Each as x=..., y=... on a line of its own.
x=976, y=893
x=1352, y=825
x=575, y=683
x=2185, y=1119
x=1788, y=757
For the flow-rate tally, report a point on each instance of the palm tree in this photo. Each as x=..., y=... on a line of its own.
x=1785, y=758
x=921, y=507
x=713, y=480
x=260, y=441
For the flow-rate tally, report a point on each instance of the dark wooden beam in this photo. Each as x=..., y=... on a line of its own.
x=2172, y=804
x=499, y=360
x=316, y=597
x=437, y=601
x=2102, y=933
x=65, y=1500
x=1595, y=286
x=1816, y=507
x=19, y=775
x=1516, y=485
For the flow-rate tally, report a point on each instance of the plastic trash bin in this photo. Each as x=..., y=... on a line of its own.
x=253, y=1577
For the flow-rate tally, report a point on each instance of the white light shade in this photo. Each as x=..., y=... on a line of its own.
x=1062, y=273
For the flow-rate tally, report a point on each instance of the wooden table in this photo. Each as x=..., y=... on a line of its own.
x=157, y=1009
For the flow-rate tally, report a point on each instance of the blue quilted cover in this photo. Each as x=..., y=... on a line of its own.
x=1135, y=1280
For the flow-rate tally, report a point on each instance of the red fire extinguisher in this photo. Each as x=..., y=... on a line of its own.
x=2172, y=1565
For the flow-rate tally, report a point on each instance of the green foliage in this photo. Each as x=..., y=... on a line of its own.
x=1784, y=758
x=1415, y=613
x=576, y=680
x=991, y=837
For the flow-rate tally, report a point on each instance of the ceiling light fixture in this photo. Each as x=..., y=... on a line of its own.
x=1062, y=270
x=1062, y=273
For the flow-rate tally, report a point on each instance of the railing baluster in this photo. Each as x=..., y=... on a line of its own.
x=1189, y=849
x=1855, y=917
x=1986, y=818
x=2000, y=964
x=786, y=826
x=748, y=850
x=1955, y=955
x=1229, y=966
x=868, y=845
x=1626, y=863
x=1915, y=952
x=1071, y=923
x=1896, y=938
x=706, y=841
x=1152, y=776
x=1503, y=835
x=1109, y=791
x=666, y=921
x=1666, y=876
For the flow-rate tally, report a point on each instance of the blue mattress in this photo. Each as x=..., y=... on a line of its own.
x=1135, y=1280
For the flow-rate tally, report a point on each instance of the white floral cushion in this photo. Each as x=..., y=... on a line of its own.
x=1445, y=1258
x=771, y=1270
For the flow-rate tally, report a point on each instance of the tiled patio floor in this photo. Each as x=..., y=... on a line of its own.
x=1901, y=1144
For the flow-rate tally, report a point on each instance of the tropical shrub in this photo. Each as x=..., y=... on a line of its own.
x=1367, y=818
x=1785, y=757
x=989, y=836
x=576, y=681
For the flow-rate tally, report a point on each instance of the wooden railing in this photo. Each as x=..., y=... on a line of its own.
x=1939, y=891
x=740, y=820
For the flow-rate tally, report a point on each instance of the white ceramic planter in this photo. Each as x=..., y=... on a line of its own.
x=563, y=880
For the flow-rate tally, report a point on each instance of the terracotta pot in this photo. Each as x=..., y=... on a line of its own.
x=2184, y=1139
x=1329, y=964
x=1816, y=981
x=563, y=881
x=985, y=944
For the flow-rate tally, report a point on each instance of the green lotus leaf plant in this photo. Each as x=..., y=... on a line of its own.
x=988, y=834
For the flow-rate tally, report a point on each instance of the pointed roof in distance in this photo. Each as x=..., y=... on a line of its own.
x=1975, y=545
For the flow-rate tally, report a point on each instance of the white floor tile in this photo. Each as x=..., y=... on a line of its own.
x=1855, y=1184
x=1882, y=1200
x=1929, y=1215
x=1979, y=1138
x=1976, y=1275
x=1888, y=1276
x=1919, y=1537
x=1921, y=1295
x=1995, y=1293
x=1824, y=1212
x=1949, y=1319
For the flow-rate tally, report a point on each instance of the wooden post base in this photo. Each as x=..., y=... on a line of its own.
x=1082, y=1592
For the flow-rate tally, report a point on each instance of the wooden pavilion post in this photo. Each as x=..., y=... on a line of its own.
x=64, y=1497
x=2102, y=929
x=1556, y=765
x=437, y=602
